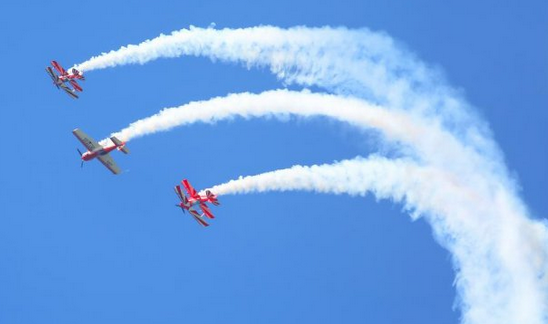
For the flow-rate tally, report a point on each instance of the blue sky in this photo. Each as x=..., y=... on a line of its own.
x=86, y=246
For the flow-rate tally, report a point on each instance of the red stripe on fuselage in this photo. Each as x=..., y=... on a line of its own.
x=88, y=156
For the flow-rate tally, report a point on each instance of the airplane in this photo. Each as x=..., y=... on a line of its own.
x=64, y=77
x=195, y=199
x=95, y=150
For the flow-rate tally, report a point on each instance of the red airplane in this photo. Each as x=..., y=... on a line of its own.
x=196, y=199
x=96, y=150
x=64, y=77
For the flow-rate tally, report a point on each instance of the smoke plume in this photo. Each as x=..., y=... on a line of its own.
x=451, y=172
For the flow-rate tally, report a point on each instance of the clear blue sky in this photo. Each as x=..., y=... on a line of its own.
x=84, y=246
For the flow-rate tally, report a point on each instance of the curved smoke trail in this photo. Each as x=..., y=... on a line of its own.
x=459, y=181
x=361, y=63
x=418, y=136
x=447, y=203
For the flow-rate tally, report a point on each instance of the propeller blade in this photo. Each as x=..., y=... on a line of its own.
x=81, y=164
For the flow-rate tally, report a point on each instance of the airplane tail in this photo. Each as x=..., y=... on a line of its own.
x=79, y=74
x=212, y=198
x=121, y=145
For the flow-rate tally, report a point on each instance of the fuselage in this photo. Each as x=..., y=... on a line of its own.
x=102, y=151
x=58, y=81
x=61, y=79
x=68, y=77
x=193, y=201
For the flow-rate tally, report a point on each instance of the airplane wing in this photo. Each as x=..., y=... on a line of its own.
x=76, y=85
x=52, y=75
x=179, y=192
x=68, y=91
x=181, y=195
x=109, y=163
x=198, y=217
x=188, y=187
x=58, y=68
x=206, y=211
x=88, y=142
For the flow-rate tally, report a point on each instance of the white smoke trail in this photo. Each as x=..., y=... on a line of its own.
x=427, y=139
x=447, y=203
x=500, y=254
x=484, y=257
x=360, y=63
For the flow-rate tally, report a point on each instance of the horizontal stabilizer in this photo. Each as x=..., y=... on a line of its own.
x=212, y=198
x=79, y=75
x=121, y=145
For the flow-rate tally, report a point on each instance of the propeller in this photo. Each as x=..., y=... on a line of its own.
x=81, y=164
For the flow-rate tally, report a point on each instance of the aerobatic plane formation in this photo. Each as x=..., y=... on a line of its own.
x=67, y=81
